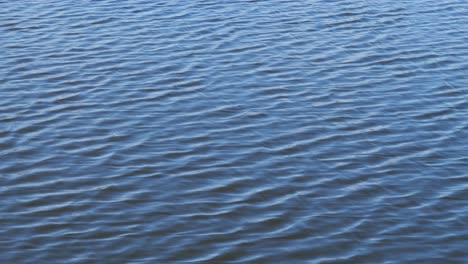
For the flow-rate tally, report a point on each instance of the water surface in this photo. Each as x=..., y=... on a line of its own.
x=234, y=131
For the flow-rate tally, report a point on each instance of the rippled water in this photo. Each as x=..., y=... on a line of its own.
x=234, y=131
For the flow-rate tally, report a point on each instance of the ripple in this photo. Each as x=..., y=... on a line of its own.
x=233, y=131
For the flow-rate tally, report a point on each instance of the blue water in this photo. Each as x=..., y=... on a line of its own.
x=234, y=131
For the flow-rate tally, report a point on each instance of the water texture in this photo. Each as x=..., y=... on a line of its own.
x=306, y=131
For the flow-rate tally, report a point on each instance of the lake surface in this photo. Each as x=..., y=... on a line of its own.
x=234, y=131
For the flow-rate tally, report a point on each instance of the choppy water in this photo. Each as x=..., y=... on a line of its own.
x=234, y=131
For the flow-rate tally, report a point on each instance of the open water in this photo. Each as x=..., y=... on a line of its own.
x=216, y=131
